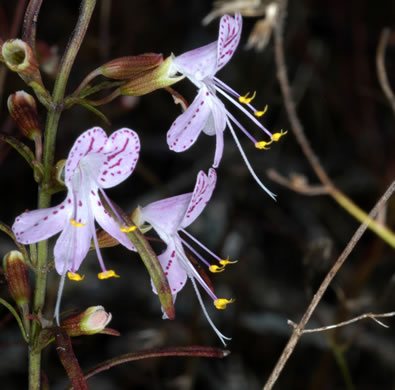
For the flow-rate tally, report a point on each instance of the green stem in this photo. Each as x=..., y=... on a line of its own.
x=381, y=230
x=18, y=319
x=44, y=195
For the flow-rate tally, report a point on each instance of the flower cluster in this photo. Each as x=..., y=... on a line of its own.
x=97, y=162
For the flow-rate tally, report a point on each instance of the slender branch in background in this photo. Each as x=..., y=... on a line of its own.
x=298, y=331
x=297, y=128
x=380, y=64
x=30, y=23
x=371, y=316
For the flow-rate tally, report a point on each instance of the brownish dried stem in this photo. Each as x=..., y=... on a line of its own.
x=298, y=331
x=282, y=76
x=191, y=351
x=380, y=64
x=371, y=316
x=30, y=23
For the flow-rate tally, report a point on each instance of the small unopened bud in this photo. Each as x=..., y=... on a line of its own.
x=91, y=321
x=16, y=273
x=125, y=68
x=23, y=110
x=19, y=57
x=159, y=77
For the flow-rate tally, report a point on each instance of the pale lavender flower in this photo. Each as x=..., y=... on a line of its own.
x=207, y=113
x=169, y=217
x=95, y=162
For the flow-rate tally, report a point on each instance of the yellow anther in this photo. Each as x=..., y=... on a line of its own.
x=128, y=229
x=261, y=113
x=246, y=99
x=277, y=136
x=263, y=144
x=227, y=261
x=221, y=303
x=107, y=274
x=216, y=268
x=76, y=224
x=74, y=276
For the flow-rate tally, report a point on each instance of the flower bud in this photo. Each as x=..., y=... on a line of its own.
x=159, y=77
x=91, y=321
x=125, y=68
x=16, y=274
x=19, y=57
x=23, y=110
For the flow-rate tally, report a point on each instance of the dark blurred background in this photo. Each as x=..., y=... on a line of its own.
x=284, y=248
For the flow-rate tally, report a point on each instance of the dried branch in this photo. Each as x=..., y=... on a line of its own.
x=372, y=316
x=297, y=128
x=380, y=64
x=299, y=329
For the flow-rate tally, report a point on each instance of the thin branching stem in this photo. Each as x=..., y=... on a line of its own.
x=298, y=331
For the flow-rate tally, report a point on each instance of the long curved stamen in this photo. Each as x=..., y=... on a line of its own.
x=219, y=334
x=198, y=255
x=242, y=128
x=201, y=245
x=246, y=112
x=232, y=92
x=271, y=194
x=61, y=283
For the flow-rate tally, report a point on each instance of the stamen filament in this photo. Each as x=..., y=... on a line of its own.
x=201, y=245
x=239, y=106
x=219, y=334
x=198, y=255
x=271, y=194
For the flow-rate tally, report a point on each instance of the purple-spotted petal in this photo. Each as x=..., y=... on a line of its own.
x=199, y=63
x=38, y=225
x=173, y=269
x=71, y=247
x=187, y=127
x=228, y=39
x=121, y=154
x=90, y=141
x=108, y=223
x=166, y=215
x=201, y=195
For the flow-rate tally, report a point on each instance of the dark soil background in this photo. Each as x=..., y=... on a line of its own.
x=284, y=248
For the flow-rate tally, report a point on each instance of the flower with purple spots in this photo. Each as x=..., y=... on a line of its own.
x=207, y=113
x=95, y=162
x=169, y=217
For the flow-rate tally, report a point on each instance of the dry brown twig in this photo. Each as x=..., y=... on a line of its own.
x=380, y=64
x=371, y=316
x=299, y=329
x=327, y=187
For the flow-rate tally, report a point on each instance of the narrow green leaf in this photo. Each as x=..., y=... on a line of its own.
x=7, y=230
x=22, y=149
x=18, y=319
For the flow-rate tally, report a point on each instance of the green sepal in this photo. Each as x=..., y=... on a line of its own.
x=149, y=259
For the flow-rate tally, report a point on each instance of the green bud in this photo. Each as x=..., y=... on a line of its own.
x=16, y=274
x=91, y=321
x=19, y=57
x=125, y=68
x=159, y=77
x=23, y=110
